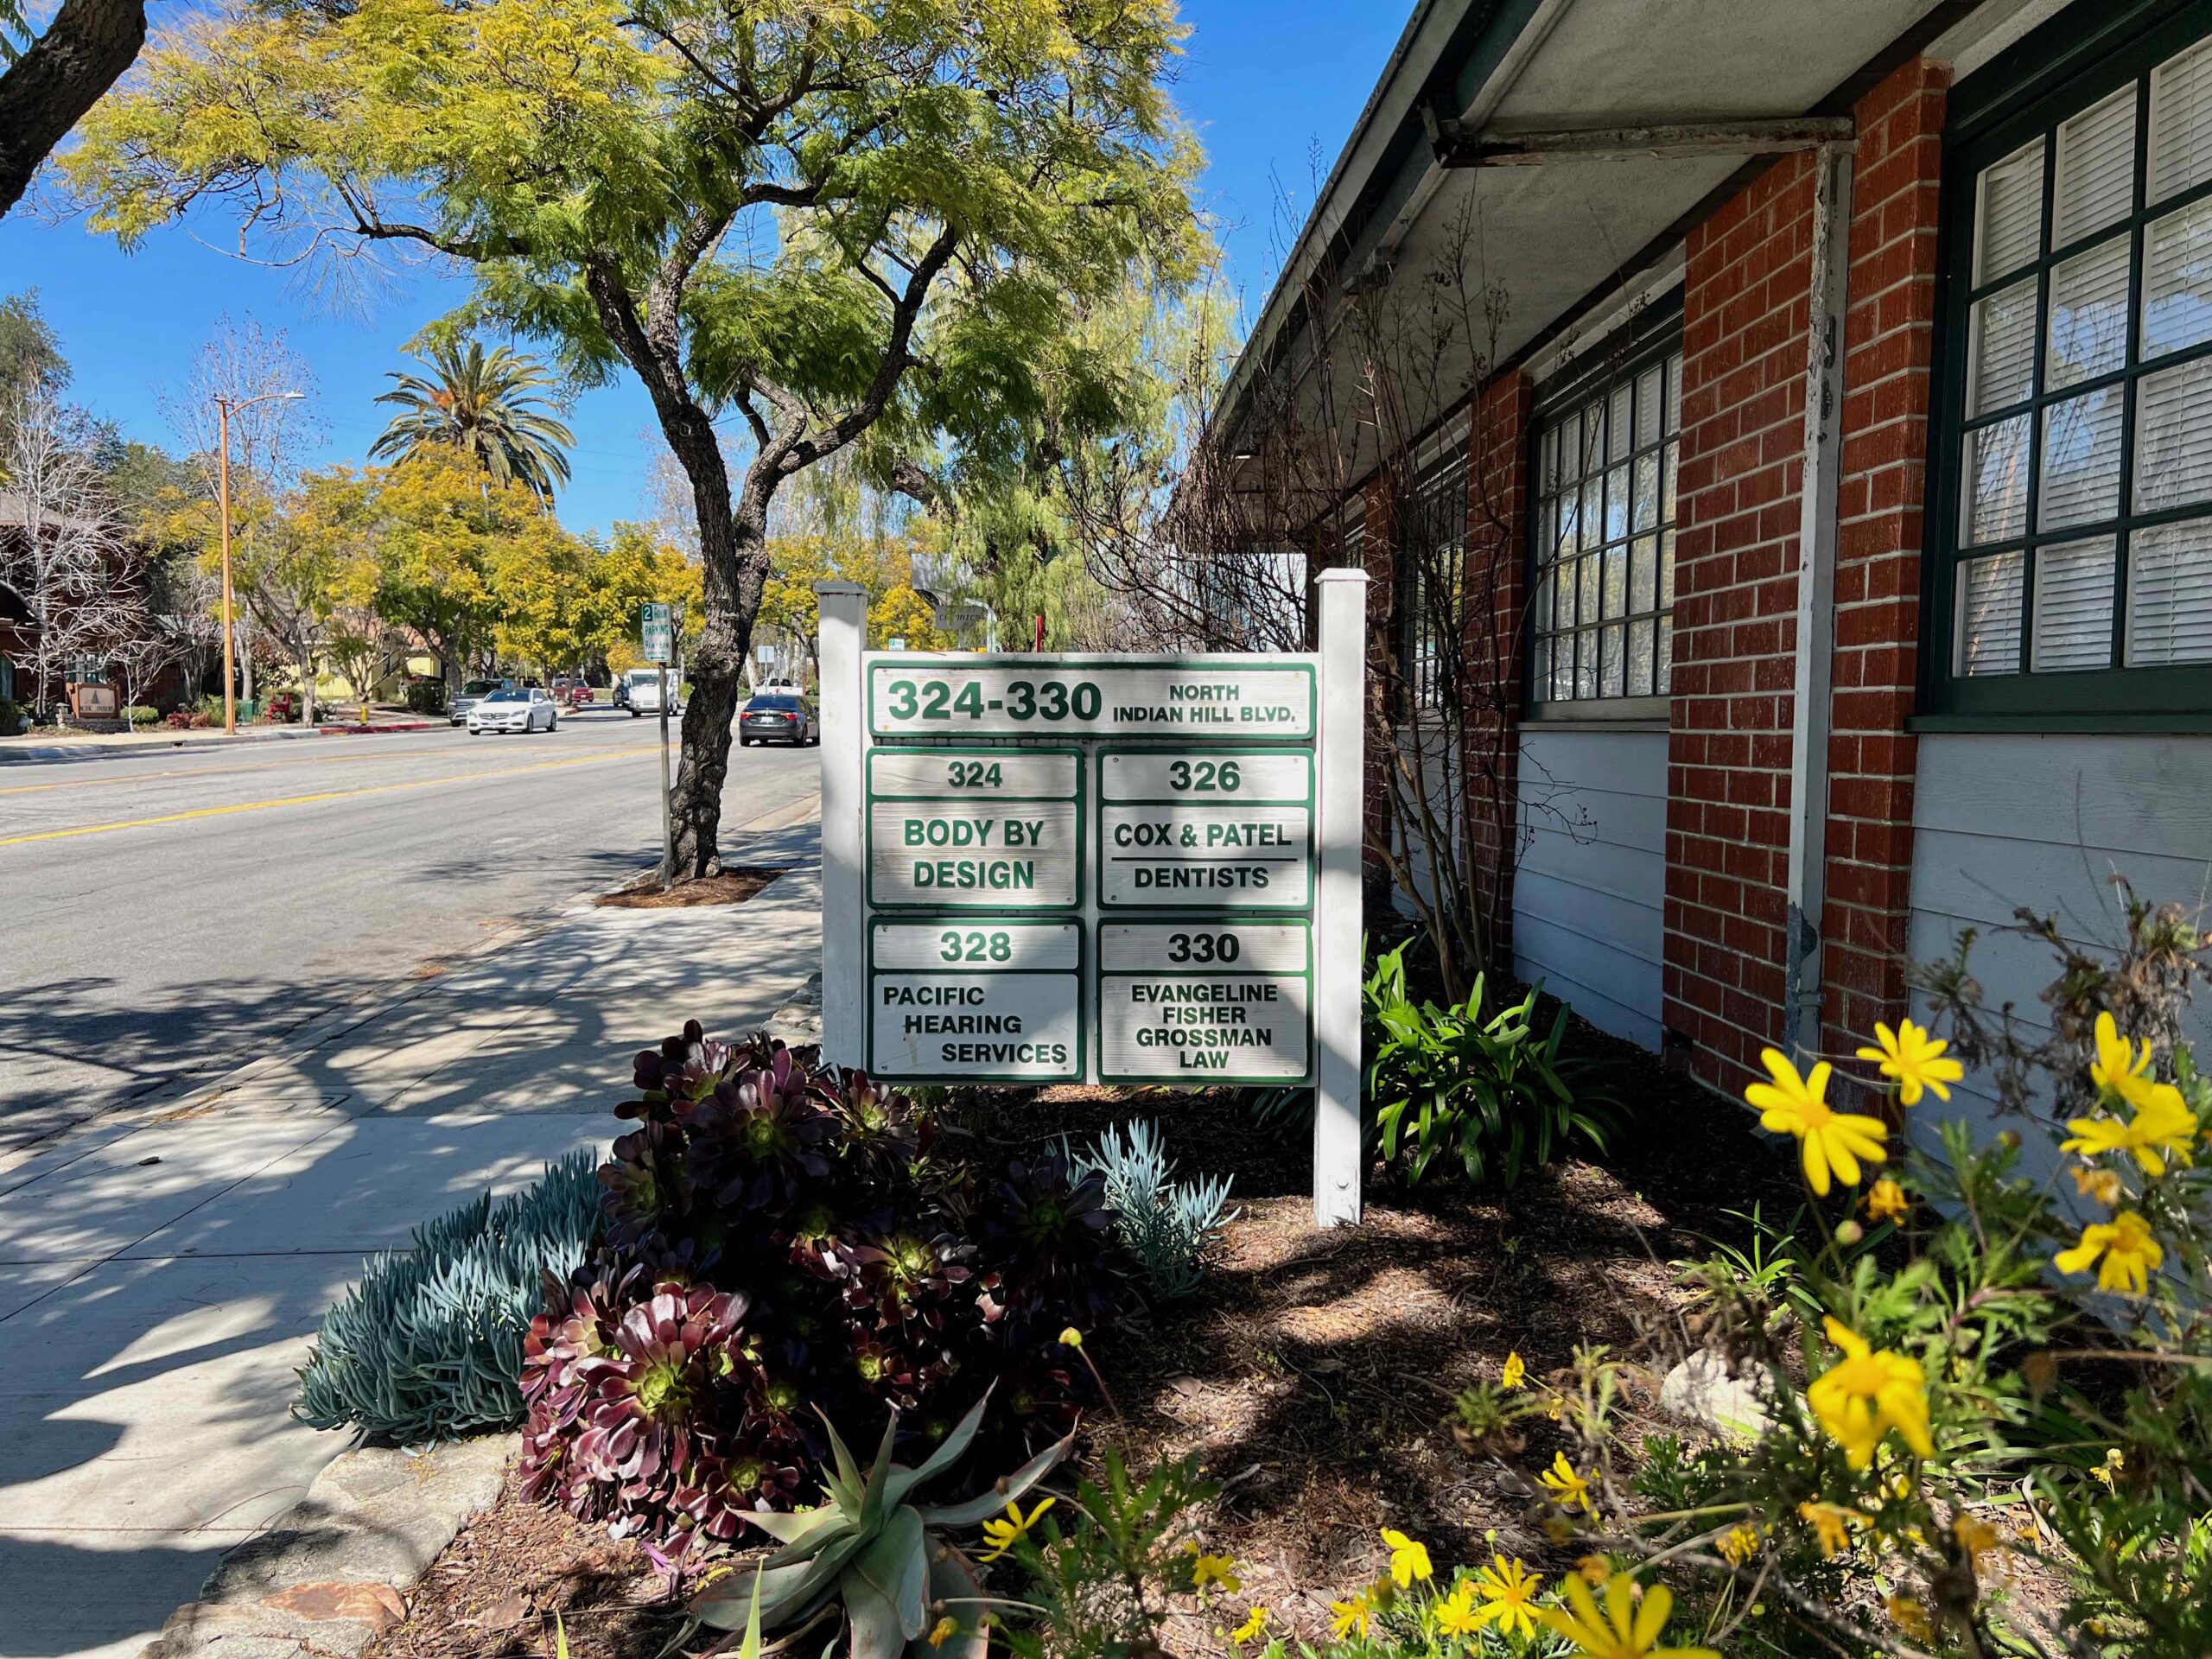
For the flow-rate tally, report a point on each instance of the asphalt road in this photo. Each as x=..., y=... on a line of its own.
x=169, y=911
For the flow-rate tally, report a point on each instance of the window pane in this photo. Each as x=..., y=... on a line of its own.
x=1540, y=667
x=2001, y=363
x=1639, y=658
x=1674, y=393
x=1594, y=438
x=1563, y=666
x=1615, y=588
x=1996, y=482
x=2178, y=280
x=1613, y=682
x=2073, y=605
x=1563, y=598
x=1668, y=484
x=2173, y=437
x=1588, y=575
x=1644, y=512
x=1570, y=516
x=1617, y=426
x=1570, y=449
x=1548, y=465
x=1542, y=610
x=2008, y=224
x=1664, y=672
x=1586, y=663
x=2096, y=168
x=1667, y=570
x=1593, y=511
x=1646, y=408
x=2181, y=121
x=1644, y=574
x=1617, y=504
x=1989, y=615
x=2170, y=594
x=2088, y=314
x=2081, y=460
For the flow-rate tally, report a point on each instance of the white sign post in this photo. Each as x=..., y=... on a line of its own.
x=1100, y=868
x=656, y=639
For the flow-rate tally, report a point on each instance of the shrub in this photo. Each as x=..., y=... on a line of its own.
x=426, y=696
x=139, y=715
x=11, y=718
x=785, y=1245
x=210, y=709
x=428, y=1345
x=1447, y=1083
x=1976, y=1371
x=1167, y=1225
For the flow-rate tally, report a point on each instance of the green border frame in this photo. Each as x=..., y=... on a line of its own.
x=993, y=902
x=1098, y=991
x=995, y=751
x=1122, y=912
x=964, y=922
x=1054, y=664
x=2058, y=70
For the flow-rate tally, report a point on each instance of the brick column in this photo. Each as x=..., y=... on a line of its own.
x=1496, y=577
x=1744, y=317
x=1888, y=332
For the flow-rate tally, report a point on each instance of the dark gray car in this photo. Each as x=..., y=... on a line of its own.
x=777, y=719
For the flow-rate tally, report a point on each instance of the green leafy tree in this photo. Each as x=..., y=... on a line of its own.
x=880, y=218
x=484, y=405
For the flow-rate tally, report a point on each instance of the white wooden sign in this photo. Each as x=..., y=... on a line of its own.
x=1100, y=868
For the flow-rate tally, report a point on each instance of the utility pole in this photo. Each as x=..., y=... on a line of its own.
x=224, y=406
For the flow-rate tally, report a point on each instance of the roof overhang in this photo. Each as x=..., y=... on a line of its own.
x=1563, y=148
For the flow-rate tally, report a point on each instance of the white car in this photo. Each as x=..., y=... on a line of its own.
x=643, y=686
x=514, y=711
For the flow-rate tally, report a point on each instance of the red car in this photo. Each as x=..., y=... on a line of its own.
x=572, y=694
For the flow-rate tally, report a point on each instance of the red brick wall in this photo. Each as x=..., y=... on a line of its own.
x=1497, y=564
x=1745, y=314
x=1745, y=310
x=1887, y=356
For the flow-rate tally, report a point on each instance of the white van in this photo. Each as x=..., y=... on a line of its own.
x=642, y=686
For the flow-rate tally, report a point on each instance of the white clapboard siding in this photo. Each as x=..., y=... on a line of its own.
x=1591, y=891
x=2003, y=821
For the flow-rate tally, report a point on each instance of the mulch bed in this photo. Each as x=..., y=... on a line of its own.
x=1313, y=1372
x=730, y=887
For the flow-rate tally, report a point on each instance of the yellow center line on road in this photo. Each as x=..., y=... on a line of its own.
x=383, y=751
x=327, y=795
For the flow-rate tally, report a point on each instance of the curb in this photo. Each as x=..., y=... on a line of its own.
x=332, y=1573
x=50, y=752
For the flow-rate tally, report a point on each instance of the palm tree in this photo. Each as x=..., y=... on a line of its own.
x=484, y=404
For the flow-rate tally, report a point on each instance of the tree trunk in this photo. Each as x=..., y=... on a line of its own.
x=46, y=90
x=307, y=688
x=733, y=552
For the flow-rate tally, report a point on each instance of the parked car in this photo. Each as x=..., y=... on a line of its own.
x=571, y=693
x=780, y=719
x=643, y=687
x=472, y=693
x=779, y=689
x=514, y=709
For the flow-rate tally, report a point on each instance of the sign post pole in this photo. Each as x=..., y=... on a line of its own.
x=1337, y=912
x=654, y=630
x=843, y=607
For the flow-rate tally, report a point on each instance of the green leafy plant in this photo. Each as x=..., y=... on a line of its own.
x=876, y=1559
x=1101, y=1587
x=428, y=1345
x=1168, y=1225
x=11, y=718
x=1449, y=1082
x=139, y=715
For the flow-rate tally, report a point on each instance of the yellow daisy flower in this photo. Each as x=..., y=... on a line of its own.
x=1509, y=1593
x=1355, y=1615
x=1738, y=1545
x=1914, y=1061
x=1910, y=1618
x=1515, y=1372
x=1885, y=1201
x=1567, y=1488
x=1215, y=1569
x=2129, y=1255
x=1457, y=1615
x=2162, y=1128
x=1620, y=1632
x=2120, y=1068
x=1864, y=1394
x=1830, y=1141
x=1831, y=1524
x=1408, y=1560
x=943, y=1632
x=1003, y=1535
x=1254, y=1627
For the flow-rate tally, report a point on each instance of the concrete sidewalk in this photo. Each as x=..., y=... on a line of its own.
x=162, y=1271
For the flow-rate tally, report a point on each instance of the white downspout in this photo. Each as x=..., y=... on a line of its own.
x=1815, y=653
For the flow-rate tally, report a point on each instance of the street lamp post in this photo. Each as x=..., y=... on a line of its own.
x=224, y=408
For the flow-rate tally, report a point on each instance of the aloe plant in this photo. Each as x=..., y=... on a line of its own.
x=878, y=1555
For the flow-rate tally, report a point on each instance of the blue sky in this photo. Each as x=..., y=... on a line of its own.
x=1266, y=83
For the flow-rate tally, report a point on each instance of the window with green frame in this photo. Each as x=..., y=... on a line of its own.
x=1601, y=627
x=2071, y=480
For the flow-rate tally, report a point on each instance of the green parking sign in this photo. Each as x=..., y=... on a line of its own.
x=658, y=634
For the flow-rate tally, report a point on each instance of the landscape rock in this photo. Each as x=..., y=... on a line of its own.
x=1701, y=1390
